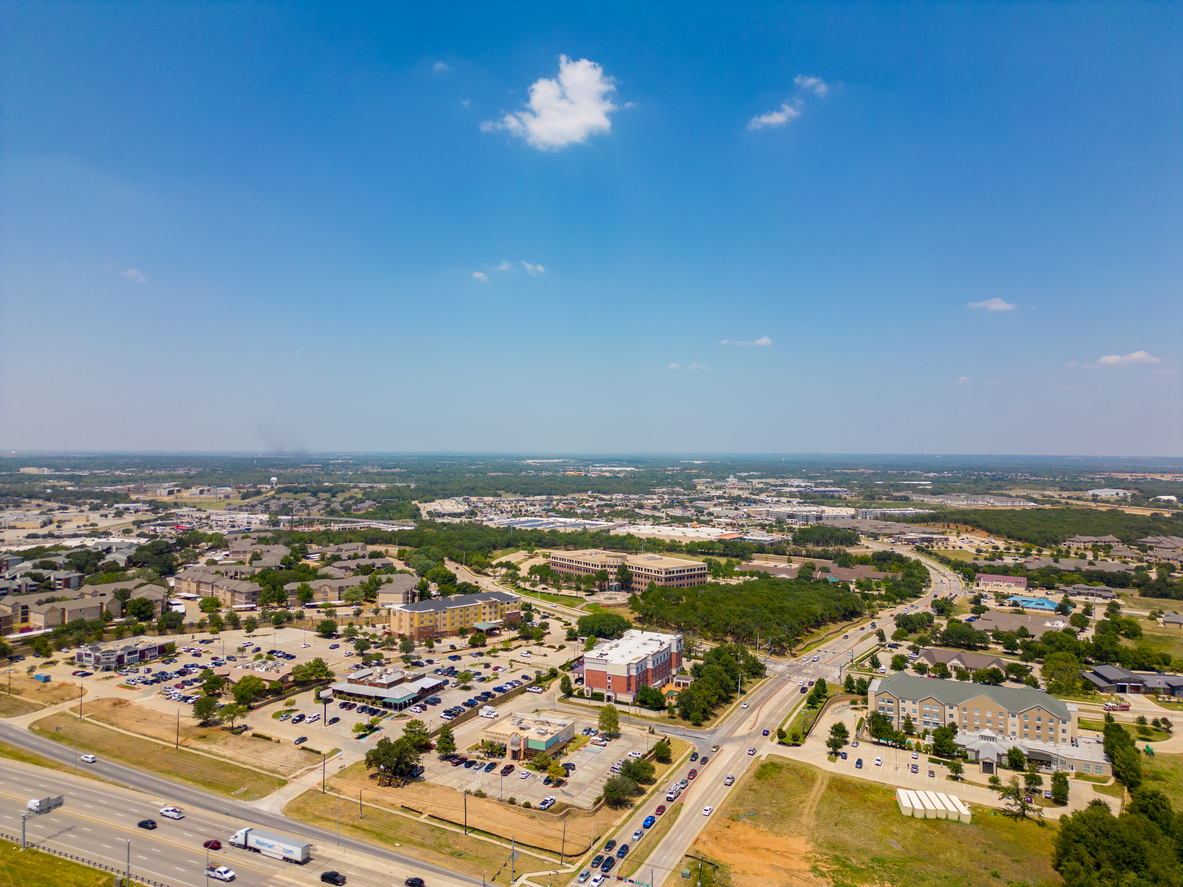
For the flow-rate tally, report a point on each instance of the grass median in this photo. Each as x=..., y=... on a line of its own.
x=210, y=773
x=26, y=868
x=653, y=837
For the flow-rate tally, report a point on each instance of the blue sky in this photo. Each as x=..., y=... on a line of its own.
x=745, y=228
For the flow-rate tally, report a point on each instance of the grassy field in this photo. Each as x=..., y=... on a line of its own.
x=1155, y=734
x=1165, y=772
x=43, y=694
x=468, y=855
x=957, y=554
x=15, y=706
x=32, y=868
x=788, y=823
x=664, y=823
x=213, y=774
x=1160, y=639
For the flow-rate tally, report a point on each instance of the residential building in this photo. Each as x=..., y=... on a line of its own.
x=323, y=590
x=955, y=659
x=448, y=615
x=991, y=582
x=644, y=568
x=1091, y=592
x=1017, y=712
x=401, y=588
x=619, y=668
x=1172, y=620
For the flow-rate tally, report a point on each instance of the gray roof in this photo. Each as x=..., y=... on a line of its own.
x=908, y=686
x=436, y=605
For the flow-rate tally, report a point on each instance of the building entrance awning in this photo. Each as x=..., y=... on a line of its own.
x=487, y=626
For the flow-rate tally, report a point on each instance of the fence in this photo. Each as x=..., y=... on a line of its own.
x=84, y=861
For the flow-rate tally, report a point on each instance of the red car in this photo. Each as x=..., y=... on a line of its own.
x=660, y=810
x=692, y=773
x=212, y=845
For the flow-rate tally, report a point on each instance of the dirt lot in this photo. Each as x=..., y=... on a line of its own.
x=466, y=855
x=14, y=706
x=282, y=758
x=535, y=828
x=45, y=694
x=225, y=778
x=804, y=827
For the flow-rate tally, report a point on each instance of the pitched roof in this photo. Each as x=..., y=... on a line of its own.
x=902, y=685
x=435, y=605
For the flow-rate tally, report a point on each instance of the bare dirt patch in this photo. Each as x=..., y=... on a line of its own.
x=44, y=694
x=534, y=828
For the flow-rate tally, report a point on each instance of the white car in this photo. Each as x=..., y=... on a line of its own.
x=172, y=812
x=637, y=835
x=752, y=750
x=535, y=690
x=707, y=811
x=88, y=759
x=305, y=646
x=222, y=873
x=745, y=705
x=596, y=881
x=525, y=774
x=879, y=762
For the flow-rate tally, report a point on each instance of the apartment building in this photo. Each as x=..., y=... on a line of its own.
x=645, y=568
x=218, y=583
x=109, y=657
x=448, y=615
x=638, y=659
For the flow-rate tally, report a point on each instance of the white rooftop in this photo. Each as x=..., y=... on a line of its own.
x=634, y=645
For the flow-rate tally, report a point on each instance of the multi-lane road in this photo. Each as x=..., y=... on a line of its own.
x=99, y=819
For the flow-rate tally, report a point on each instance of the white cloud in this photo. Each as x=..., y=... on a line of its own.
x=481, y=276
x=532, y=269
x=964, y=380
x=133, y=274
x=994, y=304
x=506, y=265
x=1162, y=374
x=763, y=341
x=818, y=86
x=1121, y=360
x=779, y=117
x=440, y=67
x=564, y=111
x=689, y=366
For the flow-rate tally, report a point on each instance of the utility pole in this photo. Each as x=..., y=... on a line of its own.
x=513, y=852
x=322, y=772
x=361, y=813
x=563, y=846
x=338, y=819
x=466, y=811
x=178, y=728
x=127, y=880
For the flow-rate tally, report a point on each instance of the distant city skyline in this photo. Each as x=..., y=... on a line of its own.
x=806, y=228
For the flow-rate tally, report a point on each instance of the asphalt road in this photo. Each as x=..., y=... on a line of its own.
x=195, y=801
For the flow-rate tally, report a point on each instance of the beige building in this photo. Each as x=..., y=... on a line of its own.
x=448, y=615
x=525, y=735
x=645, y=568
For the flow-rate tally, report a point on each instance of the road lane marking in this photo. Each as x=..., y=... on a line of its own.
x=106, y=846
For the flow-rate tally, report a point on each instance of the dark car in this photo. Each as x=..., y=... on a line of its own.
x=570, y=768
x=692, y=773
x=703, y=762
x=598, y=861
x=413, y=882
x=301, y=740
x=332, y=721
x=149, y=824
x=622, y=851
x=660, y=809
x=610, y=846
x=765, y=732
x=694, y=756
x=507, y=769
x=332, y=878
x=322, y=877
x=608, y=865
x=491, y=766
x=212, y=845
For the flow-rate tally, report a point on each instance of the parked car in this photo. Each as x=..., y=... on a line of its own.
x=584, y=875
x=858, y=765
x=598, y=861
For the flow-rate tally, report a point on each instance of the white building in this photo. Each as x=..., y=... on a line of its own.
x=638, y=659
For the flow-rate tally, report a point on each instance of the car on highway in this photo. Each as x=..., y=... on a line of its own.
x=693, y=756
x=660, y=810
x=584, y=875
x=752, y=750
x=648, y=823
x=221, y=873
x=704, y=761
x=745, y=705
x=729, y=780
x=608, y=865
x=598, y=861
x=413, y=882
x=707, y=811
x=172, y=812
x=609, y=846
x=765, y=733
x=637, y=835
x=332, y=878
x=146, y=824
x=596, y=881
x=693, y=773
x=212, y=844
x=622, y=851
x=88, y=759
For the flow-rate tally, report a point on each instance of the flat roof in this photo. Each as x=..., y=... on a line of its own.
x=633, y=645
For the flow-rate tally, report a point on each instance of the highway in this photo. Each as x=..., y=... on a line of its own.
x=204, y=810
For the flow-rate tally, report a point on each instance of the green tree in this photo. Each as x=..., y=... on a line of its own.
x=609, y=719
x=1060, y=787
x=248, y=689
x=445, y=742
x=838, y=736
x=565, y=685
x=1014, y=799
x=394, y=761
x=212, y=684
x=662, y=752
x=406, y=646
x=478, y=639
x=651, y=698
x=304, y=594
x=556, y=772
x=209, y=605
x=326, y=628
x=1032, y=781
x=415, y=732
x=1061, y=673
x=205, y=709
x=943, y=742
x=1015, y=759
x=140, y=609
x=619, y=792
x=250, y=624
x=956, y=768
x=639, y=771
x=908, y=727
x=315, y=669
